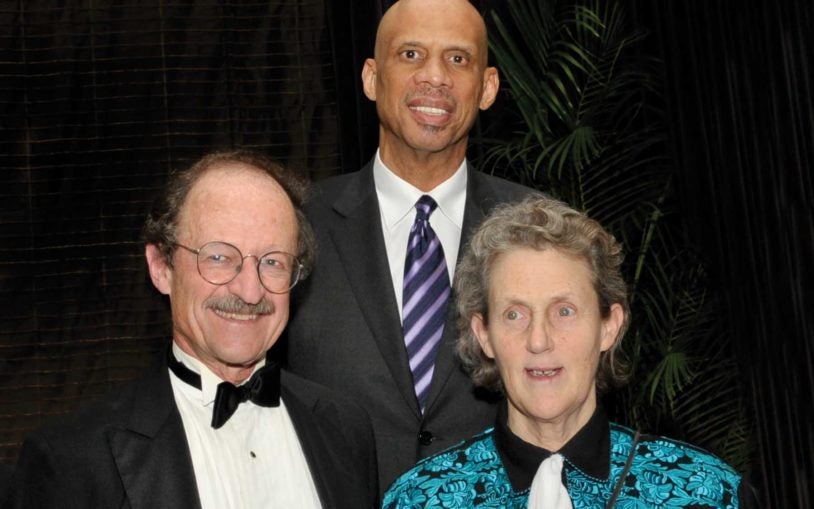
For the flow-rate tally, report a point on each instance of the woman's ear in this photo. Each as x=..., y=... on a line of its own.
x=481, y=331
x=611, y=326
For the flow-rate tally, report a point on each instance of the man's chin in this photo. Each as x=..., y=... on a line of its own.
x=243, y=351
x=431, y=141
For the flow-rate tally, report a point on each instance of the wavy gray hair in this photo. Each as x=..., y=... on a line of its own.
x=538, y=222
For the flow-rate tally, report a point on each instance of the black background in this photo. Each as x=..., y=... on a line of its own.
x=101, y=100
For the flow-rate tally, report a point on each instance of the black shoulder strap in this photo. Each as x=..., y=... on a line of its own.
x=621, y=481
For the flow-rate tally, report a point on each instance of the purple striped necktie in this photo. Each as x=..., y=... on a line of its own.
x=424, y=304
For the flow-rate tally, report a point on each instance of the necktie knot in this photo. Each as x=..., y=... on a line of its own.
x=547, y=490
x=262, y=389
x=250, y=391
x=424, y=207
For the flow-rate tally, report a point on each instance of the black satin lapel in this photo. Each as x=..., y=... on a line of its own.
x=156, y=469
x=359, y=241
x=151, y=450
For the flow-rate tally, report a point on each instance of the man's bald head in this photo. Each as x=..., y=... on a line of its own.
x=429, y=79
x=461, y=11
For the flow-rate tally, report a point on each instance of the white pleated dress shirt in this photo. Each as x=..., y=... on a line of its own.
x=397, y=199
x=253, y=461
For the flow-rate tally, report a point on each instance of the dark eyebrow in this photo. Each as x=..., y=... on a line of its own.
x=408, y=44
x=463, y=49
x=468, y=49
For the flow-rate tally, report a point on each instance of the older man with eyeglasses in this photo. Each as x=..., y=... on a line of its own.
x=215, y=424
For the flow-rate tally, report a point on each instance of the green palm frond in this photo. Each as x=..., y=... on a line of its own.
x=587, y=129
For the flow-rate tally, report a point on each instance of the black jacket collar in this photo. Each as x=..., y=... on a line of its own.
x=588, y=450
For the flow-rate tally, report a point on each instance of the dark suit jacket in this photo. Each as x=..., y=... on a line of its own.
x=346, y=333
x=130, y=451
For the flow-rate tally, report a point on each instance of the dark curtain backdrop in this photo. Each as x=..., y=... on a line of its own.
x=740, y=83
x=100, y=101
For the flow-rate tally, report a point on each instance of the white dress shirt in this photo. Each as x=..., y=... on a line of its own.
x=397, y=199
x=253, y=461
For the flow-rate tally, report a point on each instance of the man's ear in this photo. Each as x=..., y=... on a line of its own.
x=491, y=83
x=160, y=272
x=369, y=78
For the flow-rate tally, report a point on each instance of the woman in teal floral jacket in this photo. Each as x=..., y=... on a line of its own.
x=543, y=309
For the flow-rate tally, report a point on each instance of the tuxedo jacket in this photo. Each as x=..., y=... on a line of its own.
x=130, y=451
x=345, y=331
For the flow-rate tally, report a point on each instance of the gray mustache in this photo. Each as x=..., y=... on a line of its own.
x=234, y=304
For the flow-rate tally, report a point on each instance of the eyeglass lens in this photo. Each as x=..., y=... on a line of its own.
x=219, y=263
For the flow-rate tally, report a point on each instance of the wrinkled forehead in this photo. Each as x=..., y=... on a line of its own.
x=235, y=196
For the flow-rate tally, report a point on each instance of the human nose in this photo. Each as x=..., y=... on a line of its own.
x=540, y=338
x=435, y=72
x=246, y=284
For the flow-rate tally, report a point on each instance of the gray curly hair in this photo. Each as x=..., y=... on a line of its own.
x=538, y=222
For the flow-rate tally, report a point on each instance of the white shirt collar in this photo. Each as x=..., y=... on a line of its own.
x=209, y=380
x=254, y=461
x=397, y=197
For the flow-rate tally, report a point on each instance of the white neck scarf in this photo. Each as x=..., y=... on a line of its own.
x=547, y=490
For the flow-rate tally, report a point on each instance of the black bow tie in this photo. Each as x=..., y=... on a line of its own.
x=262, y=389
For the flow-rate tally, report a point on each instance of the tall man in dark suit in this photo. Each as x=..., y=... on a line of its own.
x=365, y=323
x=215, y=424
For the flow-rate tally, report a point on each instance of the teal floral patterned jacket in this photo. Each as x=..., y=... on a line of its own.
x=495, y=469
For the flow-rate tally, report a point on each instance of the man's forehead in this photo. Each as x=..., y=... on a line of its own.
x=235, y=186
x=459, y=24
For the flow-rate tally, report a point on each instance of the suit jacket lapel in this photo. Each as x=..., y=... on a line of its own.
x=358, y=238
x=480, y=198
x=150, y=448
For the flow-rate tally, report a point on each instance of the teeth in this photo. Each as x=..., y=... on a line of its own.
x=541, y=372
x=235, y=316
x=430, y=111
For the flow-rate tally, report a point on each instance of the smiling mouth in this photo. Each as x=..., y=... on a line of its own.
x=427, y=110
x=236, y=316
x=544, y=372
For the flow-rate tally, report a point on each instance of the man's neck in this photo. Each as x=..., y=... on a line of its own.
x=228, y=373
x=422, y=169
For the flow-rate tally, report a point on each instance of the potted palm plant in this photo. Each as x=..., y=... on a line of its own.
x=585, y=125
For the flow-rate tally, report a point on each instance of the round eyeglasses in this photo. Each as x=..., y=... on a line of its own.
x=220, y=262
